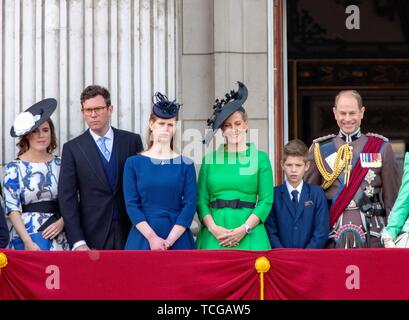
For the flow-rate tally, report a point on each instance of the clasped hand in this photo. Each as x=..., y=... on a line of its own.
x=229, y=237
x=158, y=243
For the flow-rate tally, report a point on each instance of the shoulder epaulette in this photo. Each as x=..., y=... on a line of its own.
x=324, y=138
x=370, y=134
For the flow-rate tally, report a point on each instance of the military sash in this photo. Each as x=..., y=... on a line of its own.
x=358, y=173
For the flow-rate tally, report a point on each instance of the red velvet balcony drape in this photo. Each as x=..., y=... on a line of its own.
x=206, y=275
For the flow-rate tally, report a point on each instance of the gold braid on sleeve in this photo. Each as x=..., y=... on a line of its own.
x=342, y=160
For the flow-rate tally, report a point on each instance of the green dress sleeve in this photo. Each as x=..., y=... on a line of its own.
x=400, y=210
x=203, y=197
x=265, y=188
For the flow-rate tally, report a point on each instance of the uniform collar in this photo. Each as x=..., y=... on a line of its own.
x=348, y=138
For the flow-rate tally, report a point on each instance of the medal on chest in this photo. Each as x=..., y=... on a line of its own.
x=370, y=160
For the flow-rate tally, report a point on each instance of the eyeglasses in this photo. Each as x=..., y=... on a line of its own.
x=98, y=110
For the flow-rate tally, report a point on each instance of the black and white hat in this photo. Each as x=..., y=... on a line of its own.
x=33, y=117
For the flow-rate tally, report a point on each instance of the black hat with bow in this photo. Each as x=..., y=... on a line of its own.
x=222, y=109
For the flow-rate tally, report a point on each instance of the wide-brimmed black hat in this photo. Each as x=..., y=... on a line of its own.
x=33, y=117
x=222, y=109
x=163, y=107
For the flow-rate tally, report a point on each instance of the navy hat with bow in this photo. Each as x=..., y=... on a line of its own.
x=222, y=109
x=163, y=107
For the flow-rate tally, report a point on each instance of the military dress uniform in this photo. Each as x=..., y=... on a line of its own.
x=375, y=195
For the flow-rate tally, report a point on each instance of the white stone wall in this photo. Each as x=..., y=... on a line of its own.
x=194, y=50
x=55, y=48
x=224, y=41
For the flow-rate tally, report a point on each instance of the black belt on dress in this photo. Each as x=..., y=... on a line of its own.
x=42, y=206
x=235, y=204
x=46, y=207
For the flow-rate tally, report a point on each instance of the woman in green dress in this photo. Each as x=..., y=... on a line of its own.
x=235, y=186
x=396, y=233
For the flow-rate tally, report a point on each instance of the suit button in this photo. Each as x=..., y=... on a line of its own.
x=295, y=228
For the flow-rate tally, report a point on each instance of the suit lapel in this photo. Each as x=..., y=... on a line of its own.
x=286, y=198
x=305, y=194
x=88, y=148
x=119, y=153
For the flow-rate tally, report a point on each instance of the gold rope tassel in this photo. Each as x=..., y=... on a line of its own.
x=342, y=160
x=262, y=266
x=3, y=261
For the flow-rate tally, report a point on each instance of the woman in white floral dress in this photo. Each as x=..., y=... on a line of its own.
x=31, y=181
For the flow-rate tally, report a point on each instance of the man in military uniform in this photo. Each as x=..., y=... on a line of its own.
x=359, y=174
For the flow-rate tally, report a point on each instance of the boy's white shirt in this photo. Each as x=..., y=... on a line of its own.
x=290, y=188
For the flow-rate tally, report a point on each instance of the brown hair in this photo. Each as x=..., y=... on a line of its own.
x=93, y=91
x=23, y=144
x=295, y=148
x=149, y=137
x=352, y=93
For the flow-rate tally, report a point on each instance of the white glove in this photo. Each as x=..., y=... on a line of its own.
x=387, y=240
x=389, y=243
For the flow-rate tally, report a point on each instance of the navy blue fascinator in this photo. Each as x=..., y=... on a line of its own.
x=163, y=107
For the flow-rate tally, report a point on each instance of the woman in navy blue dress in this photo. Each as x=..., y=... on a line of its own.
x=160, y=187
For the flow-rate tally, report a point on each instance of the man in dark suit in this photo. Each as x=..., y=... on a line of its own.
x=299, y=218
x=4, y=232
x=90, y=186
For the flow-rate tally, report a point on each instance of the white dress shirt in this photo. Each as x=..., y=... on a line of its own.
x=290, y=188
x=109, y=142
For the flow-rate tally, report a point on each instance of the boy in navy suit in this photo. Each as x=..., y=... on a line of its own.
x=299, y=217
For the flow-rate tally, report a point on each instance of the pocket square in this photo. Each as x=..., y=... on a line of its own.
x=308, y=203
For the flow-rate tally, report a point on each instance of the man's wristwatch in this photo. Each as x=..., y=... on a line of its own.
x=247, y=228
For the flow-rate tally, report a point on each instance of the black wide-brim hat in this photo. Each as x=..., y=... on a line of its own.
x=41, y=112
x=223, y=110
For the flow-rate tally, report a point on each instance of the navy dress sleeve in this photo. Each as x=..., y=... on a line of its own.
x=189, y=198
x=131, y=193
